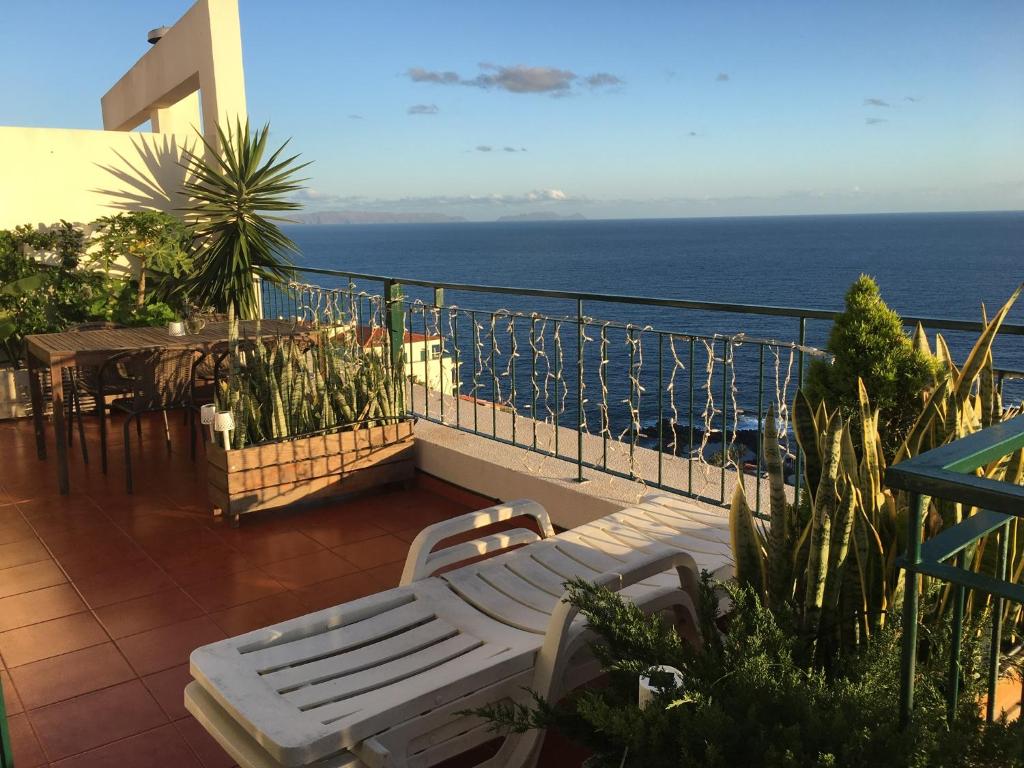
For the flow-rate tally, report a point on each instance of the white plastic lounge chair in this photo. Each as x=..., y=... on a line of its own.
x=379, y=681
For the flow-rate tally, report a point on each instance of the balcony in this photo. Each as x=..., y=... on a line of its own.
x=104, y=595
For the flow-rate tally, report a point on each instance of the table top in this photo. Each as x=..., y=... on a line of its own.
x=52, y=348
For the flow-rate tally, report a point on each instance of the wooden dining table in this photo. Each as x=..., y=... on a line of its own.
x=68, y=349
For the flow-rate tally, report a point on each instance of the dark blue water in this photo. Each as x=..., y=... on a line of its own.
x=932, y=265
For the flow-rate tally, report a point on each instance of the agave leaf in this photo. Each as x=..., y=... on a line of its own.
x=747, y=543
x=944, y=356
x=807, y=429
x=924, y=420
x=921, y=341
x=773, y=466
x=982, y=347
x=823, y=515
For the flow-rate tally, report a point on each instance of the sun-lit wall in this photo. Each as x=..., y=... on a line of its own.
x=187, y=82
x=51, y=174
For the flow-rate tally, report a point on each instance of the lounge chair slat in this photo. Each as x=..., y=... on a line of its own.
x=685, y=525
x=486, y=599
x=447, y=675
x=365, y=657
x=543, y=578
x=518, y=588
x=340, y=639
x=332, y=699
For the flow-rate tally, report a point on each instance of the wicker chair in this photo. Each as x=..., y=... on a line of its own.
x=162, y=379
x=82, y=381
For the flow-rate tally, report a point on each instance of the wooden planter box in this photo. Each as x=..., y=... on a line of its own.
x=308, y=469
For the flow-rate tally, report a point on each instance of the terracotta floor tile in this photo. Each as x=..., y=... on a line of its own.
x=192, y=566
x=157, y=529
x=10, y=515
x=259, y=613
x=50, y=638
x=16, y=530
x=453, y=493
x=173, y=546
x=111, y=555
x=149, y=612
x=168, y=688
x=125, y=583
x=24, y=744
x=233, y=589
x=166, y=647
x=71, y=674
x=12, y=701
x=39, y=605
x=340, y=530
x=374, y=552
x=69, y=540
x=388, y=575
x=24, y=578
x=162, y=747
x=47, y=504
x=95, y=719
x=308, y=569
x=276, y=546
x=210, y=753
x=336, y=591
x=22, y=553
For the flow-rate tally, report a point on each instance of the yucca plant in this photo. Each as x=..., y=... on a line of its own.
x=234, y=193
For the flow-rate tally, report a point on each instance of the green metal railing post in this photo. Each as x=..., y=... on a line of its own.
x=396, y=335
x=725, y=415
x=438, y=306
x=799, y=384
x=997, y=623
x=661, y=404
x=6, y=751
x=959, y=599
x=579, y=390
x=910, y=595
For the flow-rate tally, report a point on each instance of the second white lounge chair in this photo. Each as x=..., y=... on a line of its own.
x=379, y=681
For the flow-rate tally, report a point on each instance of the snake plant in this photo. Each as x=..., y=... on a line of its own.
x=279, y=389
x=832, y=556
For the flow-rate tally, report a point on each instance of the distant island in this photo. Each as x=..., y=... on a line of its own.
x=543, y=216
x=391, y=217
x=372, y=217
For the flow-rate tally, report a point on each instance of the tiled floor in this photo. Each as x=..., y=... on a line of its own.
x=104, y=595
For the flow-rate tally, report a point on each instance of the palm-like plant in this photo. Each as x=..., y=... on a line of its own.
x=234, y=193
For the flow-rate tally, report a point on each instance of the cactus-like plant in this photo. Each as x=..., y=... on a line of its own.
x=277, y=390
x=838, y=571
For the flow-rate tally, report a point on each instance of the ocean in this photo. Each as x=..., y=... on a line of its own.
x=931, y=265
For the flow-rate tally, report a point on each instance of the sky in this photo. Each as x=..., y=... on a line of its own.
x=607, y=109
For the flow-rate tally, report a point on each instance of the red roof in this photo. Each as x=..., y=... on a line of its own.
x=375, y=337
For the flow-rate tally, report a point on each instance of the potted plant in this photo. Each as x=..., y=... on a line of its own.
x=308, y=424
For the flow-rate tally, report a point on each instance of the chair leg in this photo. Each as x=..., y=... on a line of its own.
x=167, y=431
x=138, y=426
x=128, y=450
x=191, y=414
x=81, y=427
x=71, y=414
x=101, y=412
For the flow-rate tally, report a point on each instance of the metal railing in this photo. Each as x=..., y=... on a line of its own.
x=948, y=473
x=644, y=388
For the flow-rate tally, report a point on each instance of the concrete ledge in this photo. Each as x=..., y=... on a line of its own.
x=505, y=472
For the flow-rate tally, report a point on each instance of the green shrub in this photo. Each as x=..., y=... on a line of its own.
x=868, y=341
x=749, y=699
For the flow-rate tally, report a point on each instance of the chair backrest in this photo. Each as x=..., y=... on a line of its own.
x=161, y=378
x=97, y=325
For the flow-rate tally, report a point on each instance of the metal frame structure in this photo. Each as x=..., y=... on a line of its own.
x=948, y=473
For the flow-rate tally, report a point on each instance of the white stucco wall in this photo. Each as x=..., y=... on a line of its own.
x=49, y=174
